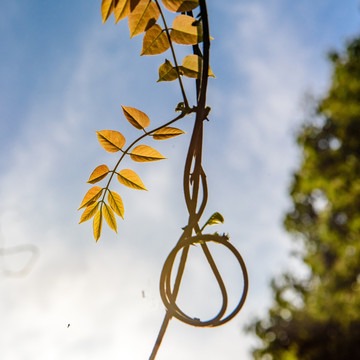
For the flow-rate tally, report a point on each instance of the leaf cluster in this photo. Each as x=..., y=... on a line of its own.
x=143, y=15
x=142, y=18
x=94, y=201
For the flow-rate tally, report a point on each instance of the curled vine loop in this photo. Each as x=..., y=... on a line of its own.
x=167, y=293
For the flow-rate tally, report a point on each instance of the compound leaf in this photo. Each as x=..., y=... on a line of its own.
x=155, y=41
x=123, y=9
x=192, y=67
x=186, y=30
x=98, y=174
x=129, y=178
x=89, y=212
x=167, y=72
x=107, y=7
x=166, y=132
x=180, y=5
x=136, y=117
x=111, y=140
x=91, y=196
x=110, y=217
x=116, y=203
x=97, y=224
x=143, y=17
x=144, y=153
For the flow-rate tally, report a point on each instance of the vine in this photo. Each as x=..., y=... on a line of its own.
x=186, y=30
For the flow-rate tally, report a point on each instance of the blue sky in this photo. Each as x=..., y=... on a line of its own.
x=63, y=76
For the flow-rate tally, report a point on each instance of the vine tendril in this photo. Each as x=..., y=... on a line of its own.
x=194, y=181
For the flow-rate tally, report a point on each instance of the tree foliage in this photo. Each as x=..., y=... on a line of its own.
x=319, y=317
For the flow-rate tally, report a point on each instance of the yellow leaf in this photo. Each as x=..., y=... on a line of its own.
x=180, y=5
x=167, y=72
x=167, y=132
x=97, y=224
x=124, y=8
x=155, y=41
x=214, y=219
x=89, y=212
x=110, y=217
x=186, y=30
x=107, y=7
x=111, y=140
x=192, y=67
x=144, y=153
x=116, y=203
x=143, y=17
x=136, y=117
x=129, y=178
x=91, y=196
x=98, y=174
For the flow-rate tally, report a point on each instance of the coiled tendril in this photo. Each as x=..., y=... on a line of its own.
x=169, y=297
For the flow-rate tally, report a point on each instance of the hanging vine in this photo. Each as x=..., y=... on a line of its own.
x=102, y=203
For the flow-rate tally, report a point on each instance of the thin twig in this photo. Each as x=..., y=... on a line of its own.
x=126, y=152
x=173, y=54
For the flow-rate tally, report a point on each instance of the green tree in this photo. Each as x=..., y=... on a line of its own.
x=319, y=317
